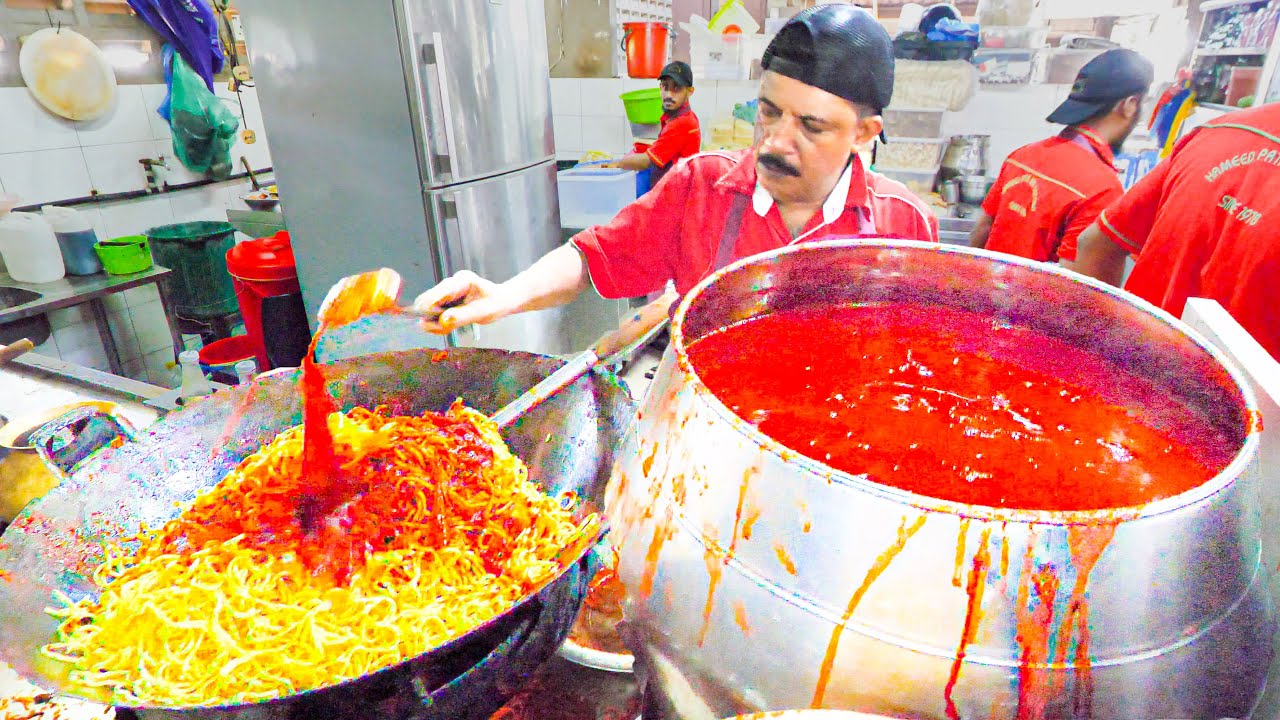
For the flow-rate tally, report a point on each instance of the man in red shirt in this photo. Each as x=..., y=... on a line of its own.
x=828, y=75
x=1200, y=225
x=679, y=136
x=1048, y=192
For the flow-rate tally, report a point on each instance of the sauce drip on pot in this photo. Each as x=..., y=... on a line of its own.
x=952, y=405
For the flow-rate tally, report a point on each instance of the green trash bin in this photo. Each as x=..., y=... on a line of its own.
x=200, y=286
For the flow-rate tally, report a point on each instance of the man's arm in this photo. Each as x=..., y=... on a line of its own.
x=634, y=161
x=981, y=230
x=1098, y=257
x=466, y=298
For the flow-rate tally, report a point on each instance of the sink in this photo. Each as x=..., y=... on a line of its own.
x=11, y=297
x=35, y=328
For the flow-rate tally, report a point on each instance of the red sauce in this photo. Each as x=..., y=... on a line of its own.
x=879, y=566
x=948, y=404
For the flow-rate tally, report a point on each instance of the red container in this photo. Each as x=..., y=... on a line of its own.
x=262, y=269
x=645, y=44
x=219, y=357
x=1242, y=82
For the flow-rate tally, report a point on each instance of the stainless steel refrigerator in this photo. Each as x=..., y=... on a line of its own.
x=416, y=135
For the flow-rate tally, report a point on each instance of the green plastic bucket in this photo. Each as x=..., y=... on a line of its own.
x=124, y=255
x=196, y=252
x=644, y=107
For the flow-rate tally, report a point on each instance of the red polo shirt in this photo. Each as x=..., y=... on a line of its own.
x=679, y=137
x=1202, y=223
x=674, y=231
x=1048, y=192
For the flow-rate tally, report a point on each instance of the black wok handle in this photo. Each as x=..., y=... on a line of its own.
x=68, y=440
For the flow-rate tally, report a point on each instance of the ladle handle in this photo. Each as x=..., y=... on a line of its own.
x=636, y=327
x=13, y=350
x=631, y=330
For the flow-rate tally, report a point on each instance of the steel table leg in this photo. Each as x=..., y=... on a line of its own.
x=174, y=332
x=99, y=310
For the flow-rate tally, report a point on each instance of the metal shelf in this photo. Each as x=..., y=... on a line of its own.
x=1220, y=52
x=1219, y=4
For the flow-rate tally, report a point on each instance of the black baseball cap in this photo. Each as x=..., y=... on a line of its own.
x=679, y=72
x=1113, y=75
x=841, y=48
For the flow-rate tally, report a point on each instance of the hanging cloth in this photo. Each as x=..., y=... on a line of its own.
x=191, y=28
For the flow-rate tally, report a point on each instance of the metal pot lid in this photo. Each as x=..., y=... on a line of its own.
x=67, y=74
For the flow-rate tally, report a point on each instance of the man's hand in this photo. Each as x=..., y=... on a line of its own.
x=465, y=298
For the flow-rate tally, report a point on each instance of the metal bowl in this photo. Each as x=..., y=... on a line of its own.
x=567, y=443
x=259, y=203
x=973, y=188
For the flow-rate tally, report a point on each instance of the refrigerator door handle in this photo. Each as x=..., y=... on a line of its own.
x=433, y=57
x=468, y=335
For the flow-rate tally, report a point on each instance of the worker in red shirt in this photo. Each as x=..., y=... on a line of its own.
x=1200, y=224
x=1048, y=192
x=679, y=136
x=828, y=74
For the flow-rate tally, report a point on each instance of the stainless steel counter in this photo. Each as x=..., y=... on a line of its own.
x=88, y=290
x=954, y=230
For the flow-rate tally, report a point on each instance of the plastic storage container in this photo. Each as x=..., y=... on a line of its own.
x=910, y=153
x=1006, y=67
x=919, y=182
x=592, y=196
x=270, y=299
x=912, y=123
x=220, y=357
x=1007, y=36
x=30, y=249
x=197, y=253
x=124, y=255
x=76, y=239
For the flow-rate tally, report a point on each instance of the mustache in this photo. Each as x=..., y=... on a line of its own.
x=777, y=165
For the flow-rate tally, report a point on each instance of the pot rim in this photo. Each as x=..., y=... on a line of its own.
x=1243, y=457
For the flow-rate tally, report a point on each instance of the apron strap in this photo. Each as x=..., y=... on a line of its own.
x=732, y=225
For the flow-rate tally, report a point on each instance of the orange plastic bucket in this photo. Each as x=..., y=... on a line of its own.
x=645, y=44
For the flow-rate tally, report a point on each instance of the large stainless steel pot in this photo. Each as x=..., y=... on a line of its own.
x=1173, y=595
x=568, y=444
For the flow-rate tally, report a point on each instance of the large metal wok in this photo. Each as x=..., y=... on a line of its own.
x=568, y=444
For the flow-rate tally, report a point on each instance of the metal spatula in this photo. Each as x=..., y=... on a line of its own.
x=379, y=291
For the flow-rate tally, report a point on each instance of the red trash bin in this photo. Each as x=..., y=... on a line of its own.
x=266, y=283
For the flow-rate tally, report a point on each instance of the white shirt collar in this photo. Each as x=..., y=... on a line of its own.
x=832, y=208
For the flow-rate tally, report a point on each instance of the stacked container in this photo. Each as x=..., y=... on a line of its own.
x=30, y=249
x=75, y=238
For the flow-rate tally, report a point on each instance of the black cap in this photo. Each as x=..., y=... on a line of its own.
x=1113, y=75
x=841, y=48
x=679, y=72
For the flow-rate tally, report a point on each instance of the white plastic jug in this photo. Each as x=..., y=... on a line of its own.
x=30, y=249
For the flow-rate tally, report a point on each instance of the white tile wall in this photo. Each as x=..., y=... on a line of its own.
x=115, y=167
x=1012, y=116
x=125, y=122
x=44, y=158
x=45, y=175
x=26, y=126
x=587, y=114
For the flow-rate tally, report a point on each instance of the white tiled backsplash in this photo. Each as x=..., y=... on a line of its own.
x=44, y=158
x=588, y=114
